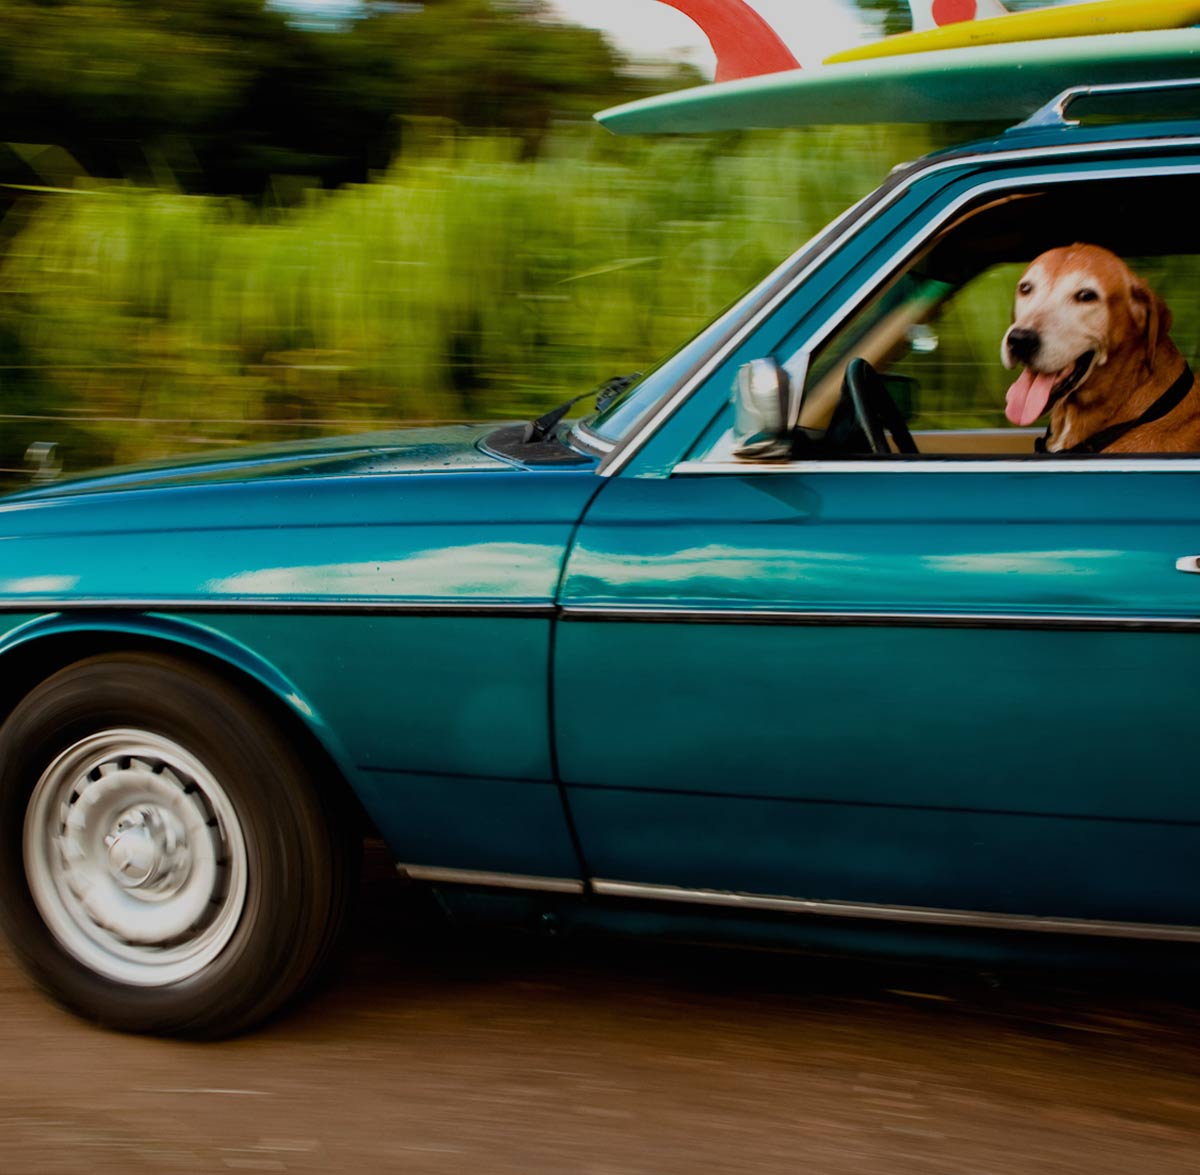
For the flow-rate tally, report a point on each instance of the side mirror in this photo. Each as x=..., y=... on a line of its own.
x=766, y=402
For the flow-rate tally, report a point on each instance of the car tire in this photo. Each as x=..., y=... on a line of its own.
x=168, y=864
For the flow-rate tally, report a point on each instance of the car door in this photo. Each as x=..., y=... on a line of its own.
x=931, y=689
x=968, y=690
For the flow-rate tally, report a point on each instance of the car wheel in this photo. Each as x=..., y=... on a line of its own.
x=167, y=863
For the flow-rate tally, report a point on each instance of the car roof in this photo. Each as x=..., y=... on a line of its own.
x=1039, y=138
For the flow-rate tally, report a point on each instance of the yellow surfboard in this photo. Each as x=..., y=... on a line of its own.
x=1070, y=20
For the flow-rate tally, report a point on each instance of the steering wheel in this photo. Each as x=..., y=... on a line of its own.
x=875, y=410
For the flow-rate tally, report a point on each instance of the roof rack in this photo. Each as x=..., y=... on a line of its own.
x=1054, y=113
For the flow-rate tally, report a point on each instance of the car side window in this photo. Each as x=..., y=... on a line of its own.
x=952, y=360
x=934, y=329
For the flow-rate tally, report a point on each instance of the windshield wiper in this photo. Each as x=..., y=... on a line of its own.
x=538, y=430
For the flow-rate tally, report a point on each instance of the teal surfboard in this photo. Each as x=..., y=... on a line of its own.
x=983, y=83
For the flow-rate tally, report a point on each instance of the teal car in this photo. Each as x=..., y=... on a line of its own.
x=717, y=659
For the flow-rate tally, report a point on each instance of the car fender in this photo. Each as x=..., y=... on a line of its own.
x=192, y=634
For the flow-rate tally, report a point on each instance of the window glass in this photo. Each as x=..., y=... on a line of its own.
x=953, y=357
x=935, y=329
x=626, y=410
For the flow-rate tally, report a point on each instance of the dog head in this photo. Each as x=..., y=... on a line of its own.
x=1076, y=309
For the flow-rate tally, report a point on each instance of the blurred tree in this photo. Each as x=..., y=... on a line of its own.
x=895, y=16
x=491, y=63
x=228, y=93
x=92, y=74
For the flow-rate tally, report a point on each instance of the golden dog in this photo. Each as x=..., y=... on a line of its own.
x=1092, y=337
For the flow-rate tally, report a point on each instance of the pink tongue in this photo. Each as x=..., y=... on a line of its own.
x=1028, y=397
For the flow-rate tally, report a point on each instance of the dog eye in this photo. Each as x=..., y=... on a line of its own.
x=1086, y=295
x=1025, y=288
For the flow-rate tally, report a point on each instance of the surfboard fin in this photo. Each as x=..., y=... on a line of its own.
x=934, y=14
x=744, y=43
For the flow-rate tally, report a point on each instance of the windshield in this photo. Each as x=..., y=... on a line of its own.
x=631, y=405
x=619, y=417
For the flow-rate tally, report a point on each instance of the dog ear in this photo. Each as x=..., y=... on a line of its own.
x=1150, y=315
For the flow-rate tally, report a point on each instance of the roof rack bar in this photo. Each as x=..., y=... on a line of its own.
x=1054, y=113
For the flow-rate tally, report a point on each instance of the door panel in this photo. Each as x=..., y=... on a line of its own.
x=866, y=687
x=977, y=719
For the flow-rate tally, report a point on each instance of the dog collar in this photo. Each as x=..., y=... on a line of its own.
x=1169, y=400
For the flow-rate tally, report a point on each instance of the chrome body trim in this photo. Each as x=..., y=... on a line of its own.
x=813, y=618
x=258, y=604
x=629, y=446
x=438, y=876
x=821, y=907
x=617, y=612
x=1031, y=464
x=925, y=915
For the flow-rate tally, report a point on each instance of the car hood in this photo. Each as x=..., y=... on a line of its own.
x=442, y=449
x=299, y=525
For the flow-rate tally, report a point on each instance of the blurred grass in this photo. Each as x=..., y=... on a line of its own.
x=466, y=283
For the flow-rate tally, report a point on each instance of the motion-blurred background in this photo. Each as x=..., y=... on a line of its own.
x=230, y=221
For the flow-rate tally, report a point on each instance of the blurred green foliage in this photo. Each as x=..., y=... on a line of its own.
x=223, y=95
x=215, y=268
x=468, y=282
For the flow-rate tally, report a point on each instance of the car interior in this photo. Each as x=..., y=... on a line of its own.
x=917, y=368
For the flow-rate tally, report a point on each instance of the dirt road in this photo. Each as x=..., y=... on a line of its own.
x=436, y=1057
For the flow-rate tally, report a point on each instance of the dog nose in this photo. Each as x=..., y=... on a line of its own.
x=1023, y=344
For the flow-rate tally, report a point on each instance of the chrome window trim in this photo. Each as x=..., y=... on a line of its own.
x=625, y=450
x=925, y=915
x=591, y=440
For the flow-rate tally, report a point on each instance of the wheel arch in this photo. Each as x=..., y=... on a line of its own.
x=41, y=647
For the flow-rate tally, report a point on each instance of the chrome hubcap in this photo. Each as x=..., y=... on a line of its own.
x=135, y=857
x=148, y=851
